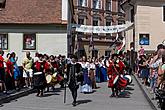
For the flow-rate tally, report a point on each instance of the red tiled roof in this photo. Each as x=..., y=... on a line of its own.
x=31, y=12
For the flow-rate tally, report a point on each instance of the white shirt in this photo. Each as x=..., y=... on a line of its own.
x=92, y=66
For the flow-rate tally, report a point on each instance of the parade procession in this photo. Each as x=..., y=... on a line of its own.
x=82, y=55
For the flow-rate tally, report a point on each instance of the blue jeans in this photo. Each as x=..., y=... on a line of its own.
x=153, y=82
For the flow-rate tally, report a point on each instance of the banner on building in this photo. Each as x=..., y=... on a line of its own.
x=101, y=29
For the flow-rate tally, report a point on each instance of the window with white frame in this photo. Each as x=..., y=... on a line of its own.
x=109, y=5
x=97, y=4
x=164, y=13
x=4, y=41
x=82, y=3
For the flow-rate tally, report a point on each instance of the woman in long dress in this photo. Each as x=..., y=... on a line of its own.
x=98, y=70
x=87, y=86
x=92, y=73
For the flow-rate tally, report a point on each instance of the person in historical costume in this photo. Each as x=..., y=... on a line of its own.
x=39, y=76
x=87, y=85
x=75, y=77
x=103, y=69
x=47, y=69
x=92, y=73
x=112, y=74
x=98, y=70
x=61, y=70
x=9, y=72
x=2, y=71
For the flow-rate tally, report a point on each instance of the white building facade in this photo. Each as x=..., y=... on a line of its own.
x=46, y=34
x=148, y=17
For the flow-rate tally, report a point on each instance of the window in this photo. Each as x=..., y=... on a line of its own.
x=163, y=13
x=108, y=5
x=2, y=4
x=82, y=3
x=97, y=4
x=29, y=41
x=4, y=41
x=80, y=21
x=95, y=23
x=120, y=22
x=108, y=23
x=119, y=6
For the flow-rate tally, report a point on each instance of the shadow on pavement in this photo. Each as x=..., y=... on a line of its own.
x=129, y=88
x=79, y=102
x=125, y=94
x=49, y=94
x=132, y=84
x=1, y=105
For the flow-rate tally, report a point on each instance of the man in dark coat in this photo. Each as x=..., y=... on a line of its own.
x=74, y=77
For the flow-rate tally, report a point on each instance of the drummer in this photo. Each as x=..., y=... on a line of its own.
x=112, y=74
x=48, y=69
x=39, y=77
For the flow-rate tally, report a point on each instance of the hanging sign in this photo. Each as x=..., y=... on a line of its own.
x=102, y=29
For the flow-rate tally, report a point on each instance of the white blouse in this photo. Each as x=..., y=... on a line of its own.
x=92, y=66
x=85, y=65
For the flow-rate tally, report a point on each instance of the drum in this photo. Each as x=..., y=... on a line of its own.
x=51, y=79
x=39, y=79
x=48, y=79
x=121, y=83
x=55, y=75
x=59, y=78
x=128, y=78
x=116, y=79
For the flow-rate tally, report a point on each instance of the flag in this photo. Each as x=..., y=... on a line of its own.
x=121, y=46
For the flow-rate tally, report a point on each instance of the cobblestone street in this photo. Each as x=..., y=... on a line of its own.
x=99, y=100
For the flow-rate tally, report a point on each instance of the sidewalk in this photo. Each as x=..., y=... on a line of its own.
x=147, y=94
x=13, y=94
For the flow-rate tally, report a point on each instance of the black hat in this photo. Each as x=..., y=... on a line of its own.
x=160, y=46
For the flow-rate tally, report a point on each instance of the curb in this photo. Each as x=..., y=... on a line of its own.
x=147, y=95
x=17, y=95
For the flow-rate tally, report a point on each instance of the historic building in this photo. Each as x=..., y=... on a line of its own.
x=96, y=13
x=33, y=25
x=148, y=17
